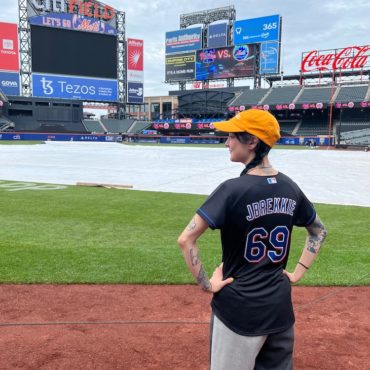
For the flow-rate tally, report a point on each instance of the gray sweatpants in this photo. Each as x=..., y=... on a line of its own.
x=231, y=351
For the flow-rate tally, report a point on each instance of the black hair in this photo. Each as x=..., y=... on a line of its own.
x=261, y=150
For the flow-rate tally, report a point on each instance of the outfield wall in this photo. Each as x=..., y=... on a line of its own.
x=219, y=139
x=19, y=136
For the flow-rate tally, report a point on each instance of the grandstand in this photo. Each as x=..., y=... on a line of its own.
x=354, y=127
x=358, y=137
x=281, y=95
x=315, y=95
x=354, y=120
x=313, y=124
x=138, y=126
x=288, y=127
x=93, y=126
x=249, y=97
x=116, y=125
x=352, y=93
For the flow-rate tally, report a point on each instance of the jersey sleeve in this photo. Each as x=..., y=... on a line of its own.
x=306, y=212
x=214, y=209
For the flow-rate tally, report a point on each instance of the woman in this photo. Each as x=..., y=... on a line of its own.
x=252, y=313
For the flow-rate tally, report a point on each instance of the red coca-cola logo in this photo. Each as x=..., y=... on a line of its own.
x=353, y=57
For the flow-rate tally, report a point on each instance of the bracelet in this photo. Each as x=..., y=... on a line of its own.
x=300, y=263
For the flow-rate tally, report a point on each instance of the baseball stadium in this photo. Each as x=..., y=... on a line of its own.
x=93, y=204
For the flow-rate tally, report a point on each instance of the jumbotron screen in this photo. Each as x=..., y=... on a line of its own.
x=74, y=53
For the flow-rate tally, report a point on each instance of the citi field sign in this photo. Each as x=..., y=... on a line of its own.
x=349, y=58
x=92, y=9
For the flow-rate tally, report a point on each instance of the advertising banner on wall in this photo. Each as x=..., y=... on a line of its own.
x=9, y=83
x=135, y=93
x=94, y=10
x=256, y=30
x=217, y=35
x=349, y=58
x=135, y=60
x=188, y=39
x=89, y=89
x=73, y=22
x=180, y=67
x=9, y=57
x=269, y=57
x=238, y=61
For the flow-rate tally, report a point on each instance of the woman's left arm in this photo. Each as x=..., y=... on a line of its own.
x=316, y=234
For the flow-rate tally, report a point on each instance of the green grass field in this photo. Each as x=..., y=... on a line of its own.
x=20, y=142
x=97, y=235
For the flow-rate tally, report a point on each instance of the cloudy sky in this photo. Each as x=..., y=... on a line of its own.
x=307, y=25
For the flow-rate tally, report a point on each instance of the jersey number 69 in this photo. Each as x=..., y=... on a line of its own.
x=256, y=249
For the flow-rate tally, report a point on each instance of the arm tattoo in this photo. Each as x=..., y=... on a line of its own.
x=317, y=234
x=191, y=225
x=203, y=280
x=193, y=257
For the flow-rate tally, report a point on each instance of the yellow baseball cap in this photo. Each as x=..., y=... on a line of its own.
x=259, y=123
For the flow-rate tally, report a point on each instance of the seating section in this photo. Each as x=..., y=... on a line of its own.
x=250, y=97
x=352, y=93
x=139, y=126
x=312, y=126
x=116, y=126
x=287, y=127
x=282, y=95
x=353, y=126
x=6, y=124
x=356, y=137
x=28, y=124
x=93, y=125
x=315, y=95
x=354, y=120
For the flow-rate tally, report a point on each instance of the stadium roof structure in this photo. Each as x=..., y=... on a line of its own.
x=347, y=75
x=207, y=16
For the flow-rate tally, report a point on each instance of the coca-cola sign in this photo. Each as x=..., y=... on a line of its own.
x=352, y=57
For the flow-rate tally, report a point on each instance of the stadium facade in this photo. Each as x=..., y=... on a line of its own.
x=45, y=83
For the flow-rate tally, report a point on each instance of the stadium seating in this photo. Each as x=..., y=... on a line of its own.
x=116, y=125
x=352, y=93
x=354, y=120
x=313, y=125
x=249, y=97
x=315, y=95
x=92, y=125
x=353, y=125
x=357, y=137
x=138, y=127
x=6, y=124
x=28, y=124
x=287, y=127
x=281, y=95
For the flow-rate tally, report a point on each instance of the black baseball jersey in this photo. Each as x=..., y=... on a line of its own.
x=256, y=215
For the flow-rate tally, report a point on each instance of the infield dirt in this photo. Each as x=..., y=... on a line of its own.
x=163, y=327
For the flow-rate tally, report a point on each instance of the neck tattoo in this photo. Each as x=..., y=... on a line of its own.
x=267, y=168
